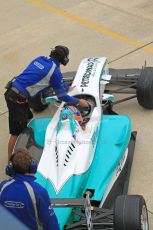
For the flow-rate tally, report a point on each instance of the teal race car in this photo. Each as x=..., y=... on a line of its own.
x=85, y=165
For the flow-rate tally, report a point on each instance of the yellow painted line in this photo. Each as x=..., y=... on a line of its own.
x=91, y=25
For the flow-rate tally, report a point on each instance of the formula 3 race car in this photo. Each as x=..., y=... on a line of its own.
x=86, y=169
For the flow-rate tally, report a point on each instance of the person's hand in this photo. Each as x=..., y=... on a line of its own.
x=71, y=88
x=84, y=103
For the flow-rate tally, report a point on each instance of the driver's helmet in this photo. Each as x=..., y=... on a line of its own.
x=75, y=113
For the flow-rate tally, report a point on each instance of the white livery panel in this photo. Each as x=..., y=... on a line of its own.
x=65, y=155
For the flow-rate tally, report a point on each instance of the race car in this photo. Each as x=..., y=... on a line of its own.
x=85, y=163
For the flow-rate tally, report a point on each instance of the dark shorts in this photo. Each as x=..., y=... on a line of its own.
x=18, y=110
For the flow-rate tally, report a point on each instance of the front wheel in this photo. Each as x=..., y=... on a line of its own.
x=145, y=88
x=130, y=213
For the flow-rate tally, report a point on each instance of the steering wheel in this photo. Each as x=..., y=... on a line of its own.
x=86, y=110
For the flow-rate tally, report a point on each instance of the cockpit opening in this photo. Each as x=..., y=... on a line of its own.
x=82, y=115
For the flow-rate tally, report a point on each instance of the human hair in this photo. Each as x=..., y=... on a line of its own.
x=21, y=160
x=61, y=54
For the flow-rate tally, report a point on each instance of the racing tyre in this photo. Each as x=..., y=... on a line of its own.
x=36, y=104
x=130, y=213
x=145, y=88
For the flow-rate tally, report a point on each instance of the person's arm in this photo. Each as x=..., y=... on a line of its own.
x=46, y=213
x=58, y=85
x=66, y=87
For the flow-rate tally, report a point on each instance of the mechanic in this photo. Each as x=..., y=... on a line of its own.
x=23, y=197
x=41, y=74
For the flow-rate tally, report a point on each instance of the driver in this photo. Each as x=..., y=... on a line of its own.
x=75, y=113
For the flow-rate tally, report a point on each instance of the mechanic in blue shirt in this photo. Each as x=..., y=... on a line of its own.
x=23, y=197
x=41, y=74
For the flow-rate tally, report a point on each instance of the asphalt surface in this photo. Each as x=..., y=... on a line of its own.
x=120, y=30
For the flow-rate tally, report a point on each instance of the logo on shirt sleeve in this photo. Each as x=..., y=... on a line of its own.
x=50, y=209
x=38, y=64
x=13, y=204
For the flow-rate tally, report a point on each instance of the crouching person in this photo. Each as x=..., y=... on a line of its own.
x=23, y=197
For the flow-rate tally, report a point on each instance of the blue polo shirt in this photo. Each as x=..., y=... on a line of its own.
x=16, y=199
x=41, y=74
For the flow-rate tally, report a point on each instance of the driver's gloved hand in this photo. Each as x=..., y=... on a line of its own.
x=85, y=120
